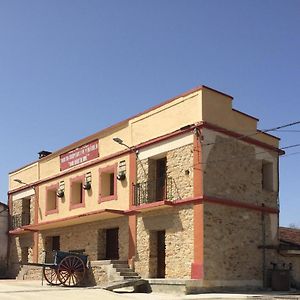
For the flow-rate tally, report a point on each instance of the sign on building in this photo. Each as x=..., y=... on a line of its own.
x=79, y=155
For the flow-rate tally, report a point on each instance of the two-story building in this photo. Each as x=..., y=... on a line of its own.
x=185, y=190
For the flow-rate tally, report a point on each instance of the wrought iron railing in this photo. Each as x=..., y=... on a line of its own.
x=20, y=220
x=153, y=191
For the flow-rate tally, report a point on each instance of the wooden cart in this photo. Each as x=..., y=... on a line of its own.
x=68, y=268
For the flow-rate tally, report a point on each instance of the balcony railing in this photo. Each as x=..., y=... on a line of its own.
x=20, y=220
x=153, y=191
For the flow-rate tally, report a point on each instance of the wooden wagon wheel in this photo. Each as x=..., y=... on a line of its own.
x=71, y=270
x=51, y=275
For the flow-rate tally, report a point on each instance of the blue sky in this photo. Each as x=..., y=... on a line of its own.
x=69, y=68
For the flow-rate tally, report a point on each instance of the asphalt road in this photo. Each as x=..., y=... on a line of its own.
x=33, y=290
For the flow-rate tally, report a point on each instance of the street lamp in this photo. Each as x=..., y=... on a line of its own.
x=121, y=142
x=136, y=152
x=24, y=183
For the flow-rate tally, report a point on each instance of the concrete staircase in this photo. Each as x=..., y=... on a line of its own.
x=123, y=270
x=126, y=279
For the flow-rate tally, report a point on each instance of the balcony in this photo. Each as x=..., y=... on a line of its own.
x=20, y=220
x=154, y=191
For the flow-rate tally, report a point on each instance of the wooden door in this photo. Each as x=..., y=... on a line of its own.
x=161, y=169
x=112, y=243
x=161, y=254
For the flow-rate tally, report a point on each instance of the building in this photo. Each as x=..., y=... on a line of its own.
x=3, y=238
x=185, y=190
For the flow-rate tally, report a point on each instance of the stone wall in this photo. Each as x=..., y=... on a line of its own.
x=233, y=170
x=178, y=226
x=180, y=169
x=20, y=251
x=85, y=236
x=179, y=164
x=232, y=237
x=24, y=207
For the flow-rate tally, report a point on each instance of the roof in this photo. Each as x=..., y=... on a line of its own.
x=289, y=235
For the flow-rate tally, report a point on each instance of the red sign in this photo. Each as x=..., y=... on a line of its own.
x=79, y=155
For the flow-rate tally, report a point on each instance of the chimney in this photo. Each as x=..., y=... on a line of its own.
x=43, y=153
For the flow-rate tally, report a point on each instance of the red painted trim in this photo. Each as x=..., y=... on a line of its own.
x=197, y=168
x=35, y=227
x=132, y=177
x=76, y=180
x=132, y=231
x=35, y=247
x=36, y=205
x=271, y=135
x=240, y=204
x=167, y=136
x=241, y=137
x=108, y=169
x=246, y=115
x=197, y=265
x=51, y=188
x=74, y=170
x=197, y=271
x=198, y=241
x=152, y=205
x=216, y=91
x=24, y=229
x=202, y=199
x=189, y=200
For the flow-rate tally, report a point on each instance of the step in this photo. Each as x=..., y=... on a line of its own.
x=132, y=277
x=121, y=262
x=123, y=270
x=124, y=283
x=130, y=273
x=120, y=266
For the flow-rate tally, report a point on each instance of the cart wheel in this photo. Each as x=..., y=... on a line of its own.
x=71, y=270
x=51, y=275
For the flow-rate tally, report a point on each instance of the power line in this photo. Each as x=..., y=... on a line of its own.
x=243, y=157
x=253, y=134
x=291, y=146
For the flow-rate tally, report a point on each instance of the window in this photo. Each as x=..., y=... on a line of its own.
x=267, y=176
x=77, y=192
x=51, y=199
x=108, y=183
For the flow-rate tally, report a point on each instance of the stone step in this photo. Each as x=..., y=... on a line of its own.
x=131, y=277
x=123, y=270
x=114, y=261
x=130, y=273
x=121, y=266
x=124, y=283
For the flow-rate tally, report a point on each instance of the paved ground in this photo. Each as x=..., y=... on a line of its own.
x=33, y=290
